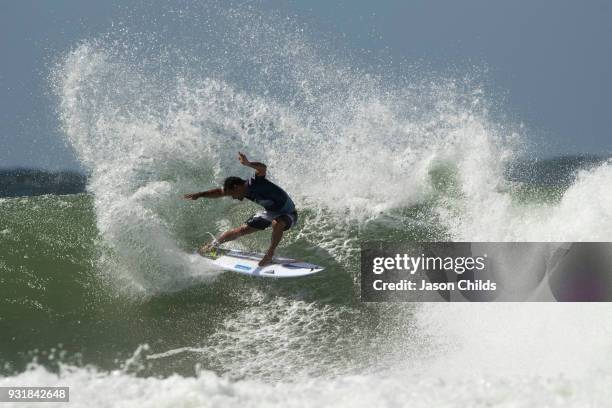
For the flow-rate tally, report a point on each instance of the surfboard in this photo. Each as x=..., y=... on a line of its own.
x=247, y=263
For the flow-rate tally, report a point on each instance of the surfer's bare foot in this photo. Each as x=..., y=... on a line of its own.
x=206, y=248
x=266, y=260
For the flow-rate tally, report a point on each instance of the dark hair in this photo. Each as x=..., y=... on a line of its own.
x=232, y=182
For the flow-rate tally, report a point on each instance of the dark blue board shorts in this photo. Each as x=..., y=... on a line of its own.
x=263, y=220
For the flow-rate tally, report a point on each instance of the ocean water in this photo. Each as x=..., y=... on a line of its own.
x=101, y=291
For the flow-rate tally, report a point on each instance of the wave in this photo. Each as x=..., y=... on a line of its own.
x=146, y=140
x=365, y=157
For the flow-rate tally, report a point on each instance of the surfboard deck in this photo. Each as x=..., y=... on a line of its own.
x=247, y=263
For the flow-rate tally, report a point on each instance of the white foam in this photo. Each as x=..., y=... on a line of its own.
x=89, y=387
x=371, y=151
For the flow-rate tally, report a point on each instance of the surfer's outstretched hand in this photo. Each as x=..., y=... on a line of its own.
x=243, y=159
x=191, y=196
x=260, y=168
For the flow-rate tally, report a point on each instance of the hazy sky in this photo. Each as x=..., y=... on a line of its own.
x=551, y=58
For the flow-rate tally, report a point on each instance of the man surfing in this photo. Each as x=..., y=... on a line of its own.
x=279, y=210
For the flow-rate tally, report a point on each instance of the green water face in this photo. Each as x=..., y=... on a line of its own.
x=61, y=303
x=57, y=305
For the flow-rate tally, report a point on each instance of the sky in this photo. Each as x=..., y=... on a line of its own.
x=552, y=60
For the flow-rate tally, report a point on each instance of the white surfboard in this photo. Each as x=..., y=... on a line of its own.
x=247, y=264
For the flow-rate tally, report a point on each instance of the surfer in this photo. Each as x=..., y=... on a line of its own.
x=279, y=210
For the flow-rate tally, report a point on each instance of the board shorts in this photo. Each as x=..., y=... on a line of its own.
x=263, y=220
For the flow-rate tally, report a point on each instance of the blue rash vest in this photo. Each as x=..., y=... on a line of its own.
x=267, y=194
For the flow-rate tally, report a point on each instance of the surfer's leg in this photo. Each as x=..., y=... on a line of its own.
x=278, y=227
x=228, y=236
x=236, y=233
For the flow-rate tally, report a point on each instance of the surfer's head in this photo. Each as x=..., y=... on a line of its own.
x=235, y=187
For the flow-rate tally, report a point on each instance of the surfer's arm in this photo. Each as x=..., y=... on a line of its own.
x=260, y=168
x=214, y=193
